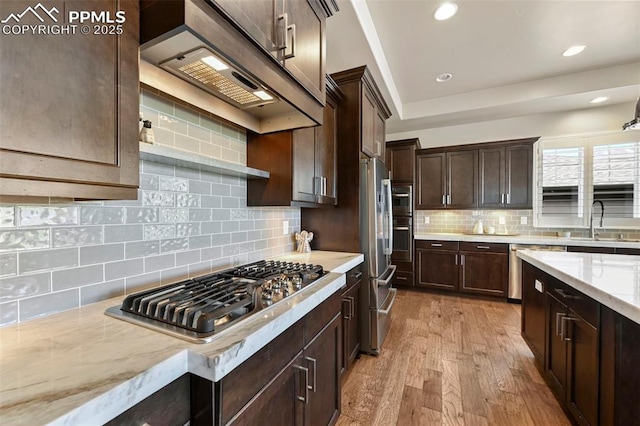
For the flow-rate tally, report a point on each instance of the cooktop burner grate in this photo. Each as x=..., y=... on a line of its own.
x=196, y=308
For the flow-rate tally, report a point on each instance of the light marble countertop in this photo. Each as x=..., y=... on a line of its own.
x=526, y=239
x=611, y=279
x=81, y=367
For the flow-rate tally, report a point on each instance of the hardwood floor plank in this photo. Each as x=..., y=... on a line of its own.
x=452, y=412
x=449, y=360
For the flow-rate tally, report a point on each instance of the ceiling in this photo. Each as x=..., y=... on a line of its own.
x=505, y=56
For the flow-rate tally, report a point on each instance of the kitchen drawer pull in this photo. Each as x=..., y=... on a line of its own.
x=401, y=278
x=565, y=294
x=400, y=228
x=559, y=316
x=305, y=370
x=357, y=275
x=402, y=195
x=313, y=361
x=483, y=247
x=436, y=245
x=352, y=306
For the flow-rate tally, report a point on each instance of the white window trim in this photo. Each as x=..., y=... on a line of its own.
x=588, y=142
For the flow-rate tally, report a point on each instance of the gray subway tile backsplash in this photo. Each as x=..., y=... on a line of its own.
x=184, y=223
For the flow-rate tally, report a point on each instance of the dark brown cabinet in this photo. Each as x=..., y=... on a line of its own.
x=401, y=160
x=446, y=179
x=533, y=315
x=301, y=162
x=505, y=175
x=292, y=32
x=74, y=132
x=437, y=265
x=351, y=318
x=372, y=110
x=484, y=268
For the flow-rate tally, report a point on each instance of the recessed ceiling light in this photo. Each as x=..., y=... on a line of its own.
x=573, y=50
x=599, y=99
x=445, y=11
x=444, y=77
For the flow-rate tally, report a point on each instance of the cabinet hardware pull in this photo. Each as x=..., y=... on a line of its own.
x=501, y=198
x=449, y=199
x=444, y=200
x=436, y=245
x=324, y=186
x=565, y=335
x=559, y=316
x=347, y=312
x=357, y=275
x=565, y=294
x=305, y=370
x=400, y=228
x=291, y=28
x=401, y=278
x=483, y=247
x=283, y=22
x=509, y=198
x=313, y=361
x=456, y=260
x=352, y=306
x=403, y=195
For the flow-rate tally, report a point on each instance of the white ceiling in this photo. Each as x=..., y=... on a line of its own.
x=505, y=56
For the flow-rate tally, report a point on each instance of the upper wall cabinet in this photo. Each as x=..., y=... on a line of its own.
x=367, y=107
x=400, y=159
x=505, y=175
x=302, y=162
x=69, y=102
x=447, y=180
x=486, y=175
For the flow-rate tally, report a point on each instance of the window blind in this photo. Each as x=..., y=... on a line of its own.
x=562, y=192
x=615, y=178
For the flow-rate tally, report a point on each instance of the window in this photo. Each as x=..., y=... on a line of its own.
x=572, y=172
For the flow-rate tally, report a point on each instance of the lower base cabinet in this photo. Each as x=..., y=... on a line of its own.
x=437, y=265
x=294, y=380
x=351, y=319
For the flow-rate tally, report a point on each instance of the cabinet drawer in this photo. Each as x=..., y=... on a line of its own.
x=575, y=300
x=437, y=245
x=317, y=319
x=354, y=275
x=403, y=279
x=484, y=247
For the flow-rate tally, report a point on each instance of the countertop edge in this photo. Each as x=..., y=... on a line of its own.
x=527, y=239
x=609, y=300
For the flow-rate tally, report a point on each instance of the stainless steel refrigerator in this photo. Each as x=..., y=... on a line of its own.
x=376, y=235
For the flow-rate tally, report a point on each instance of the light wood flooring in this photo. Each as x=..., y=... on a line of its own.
x=449, y=360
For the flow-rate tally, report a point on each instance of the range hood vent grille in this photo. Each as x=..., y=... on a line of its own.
x=224, y=82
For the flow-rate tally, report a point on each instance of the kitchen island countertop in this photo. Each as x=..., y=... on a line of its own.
x=528, y=239
x=83, y=367
x=611, y=279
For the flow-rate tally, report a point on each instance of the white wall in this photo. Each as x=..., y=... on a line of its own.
x=598, y=119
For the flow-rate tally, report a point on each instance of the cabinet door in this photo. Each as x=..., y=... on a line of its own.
x=351, y=325
x=325, y=152
x=306, y=38
x=462, y=179
x=69, y=103
x=401, y=164
x=583, y=364
x=281, y=402
x=369, y=117
x=556, y=360
x=379, y=137
x=322, y=357
x=491, y=171
x=518, y=177
x=484, y=273
x=437, y=269
x=533, y=310
x=257, y=19
x=304, y=180
x=430, y=170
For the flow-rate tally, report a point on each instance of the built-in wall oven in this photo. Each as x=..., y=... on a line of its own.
x=402, y=200
x=402, y=239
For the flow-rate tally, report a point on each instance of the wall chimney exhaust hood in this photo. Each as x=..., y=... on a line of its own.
x=635, y=123
x=191, y=51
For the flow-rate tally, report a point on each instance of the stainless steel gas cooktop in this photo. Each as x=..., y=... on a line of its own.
x=196, y=309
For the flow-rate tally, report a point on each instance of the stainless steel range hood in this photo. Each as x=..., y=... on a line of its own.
x=190, y=41
x=635, y=123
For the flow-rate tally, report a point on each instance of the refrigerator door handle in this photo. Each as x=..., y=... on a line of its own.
x=389, y=276
x=389, y=206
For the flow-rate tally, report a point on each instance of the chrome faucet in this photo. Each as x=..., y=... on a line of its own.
x=592, y=231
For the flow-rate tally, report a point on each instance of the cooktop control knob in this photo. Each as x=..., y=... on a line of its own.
x=285, y=292
x=297, y=282
x=267, y=294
